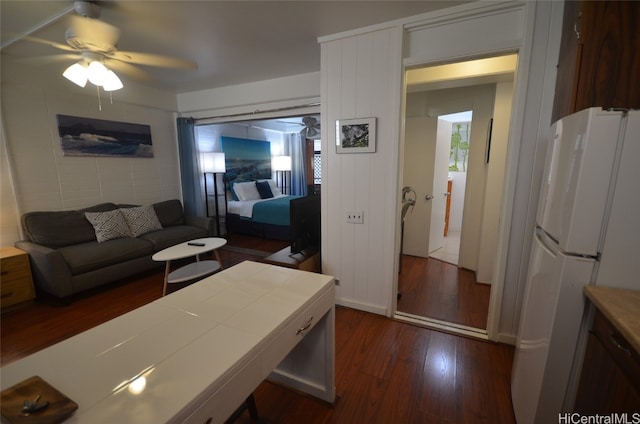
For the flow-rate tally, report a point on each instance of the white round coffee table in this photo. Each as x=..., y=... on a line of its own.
x=186, y=250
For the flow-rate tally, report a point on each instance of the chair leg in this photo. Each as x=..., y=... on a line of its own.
x=250, y=405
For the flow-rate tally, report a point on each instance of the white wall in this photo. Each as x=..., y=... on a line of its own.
x=44, y=179
x=494, y=183
x=252, y=98
x=361, y=76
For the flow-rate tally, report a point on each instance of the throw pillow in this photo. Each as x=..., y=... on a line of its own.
x=264, y=189
x=246, y=191
x=141, y=220
x=274, y=188
x=108, y=225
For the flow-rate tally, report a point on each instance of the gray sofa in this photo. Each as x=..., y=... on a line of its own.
x=66, y=257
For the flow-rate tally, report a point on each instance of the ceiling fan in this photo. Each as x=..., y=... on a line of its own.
x=93, y=43
x=311, y=127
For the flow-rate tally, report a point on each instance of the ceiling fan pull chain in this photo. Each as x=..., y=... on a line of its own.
x=99, y=101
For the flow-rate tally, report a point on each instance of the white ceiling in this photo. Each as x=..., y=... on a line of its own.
x=233, y=42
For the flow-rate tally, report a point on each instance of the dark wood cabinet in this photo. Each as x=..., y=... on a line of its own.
x=610, y=379
x=599, y=62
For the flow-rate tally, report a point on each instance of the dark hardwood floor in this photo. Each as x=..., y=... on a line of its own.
x=386, y=371
x=436, y=289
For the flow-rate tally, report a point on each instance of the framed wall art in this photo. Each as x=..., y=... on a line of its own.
x=246, y=159
x=96, y=137
x=356, y=135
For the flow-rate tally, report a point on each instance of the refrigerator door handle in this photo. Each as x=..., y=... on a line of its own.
x=544, y=241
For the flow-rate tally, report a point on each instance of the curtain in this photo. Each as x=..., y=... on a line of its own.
x=298, y=165
x=189, y=169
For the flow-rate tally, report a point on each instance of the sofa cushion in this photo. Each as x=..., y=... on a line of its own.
x=169, y=212
x=61, y=228
x=85, y=257
x=175, y=234
x=108, y=225
x=141, y=220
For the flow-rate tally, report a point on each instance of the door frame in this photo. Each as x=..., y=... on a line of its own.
x=497, y=283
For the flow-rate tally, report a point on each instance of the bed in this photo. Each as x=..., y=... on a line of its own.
x=263, y=213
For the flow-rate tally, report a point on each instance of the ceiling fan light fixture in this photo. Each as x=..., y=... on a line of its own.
x=111, y=82
x=77, y=74
x=97, y=73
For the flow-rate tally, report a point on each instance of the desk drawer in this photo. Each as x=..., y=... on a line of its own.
x=293, y=333
x=220, y=406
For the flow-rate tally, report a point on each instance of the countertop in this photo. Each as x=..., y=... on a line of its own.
x=621, y=307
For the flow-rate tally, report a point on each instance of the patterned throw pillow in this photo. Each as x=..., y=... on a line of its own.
x=141, y=220
x=108, y=225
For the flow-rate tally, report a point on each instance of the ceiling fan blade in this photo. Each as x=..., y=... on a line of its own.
x=50, y=43
x=153, y=60
x=43, y=60
x=130, y=70
x=94, y=33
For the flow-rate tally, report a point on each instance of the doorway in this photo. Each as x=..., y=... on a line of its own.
x=453, y=139
x=430, y=96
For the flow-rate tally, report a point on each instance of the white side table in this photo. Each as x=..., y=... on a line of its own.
x=186, y=250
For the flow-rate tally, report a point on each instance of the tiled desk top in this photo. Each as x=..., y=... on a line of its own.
x=187, y=345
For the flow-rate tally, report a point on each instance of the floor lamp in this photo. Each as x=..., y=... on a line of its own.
x=282, y=166
x=213, y=163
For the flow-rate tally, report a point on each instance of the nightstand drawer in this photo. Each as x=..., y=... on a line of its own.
x=16, y=284
x=14, y=268
x=15, y=292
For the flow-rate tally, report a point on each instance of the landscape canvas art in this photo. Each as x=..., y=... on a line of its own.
x=96, y=137
x=246, y=159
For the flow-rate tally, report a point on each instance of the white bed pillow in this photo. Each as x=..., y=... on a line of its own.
x=246, y=191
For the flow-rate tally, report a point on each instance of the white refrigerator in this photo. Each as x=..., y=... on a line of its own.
x=587, y=233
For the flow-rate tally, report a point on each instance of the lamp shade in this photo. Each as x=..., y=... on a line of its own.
x=111, y=81
x=281, y=163
x=213, y=162
x=77, y=74
x=97, y=73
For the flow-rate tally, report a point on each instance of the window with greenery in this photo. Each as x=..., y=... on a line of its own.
x=460, y=137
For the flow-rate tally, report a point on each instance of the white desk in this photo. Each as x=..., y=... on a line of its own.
x=202, y=350
x=186, y=250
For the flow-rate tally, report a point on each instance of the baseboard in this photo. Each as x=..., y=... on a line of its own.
x=374, y=309
x=506, y=339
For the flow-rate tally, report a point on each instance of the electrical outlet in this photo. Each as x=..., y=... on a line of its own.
x=355, y=217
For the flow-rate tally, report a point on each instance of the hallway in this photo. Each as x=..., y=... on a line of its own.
x=436, y=289
x=449, y=252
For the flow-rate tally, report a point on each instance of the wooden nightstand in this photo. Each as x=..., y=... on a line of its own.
x=16, y=284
